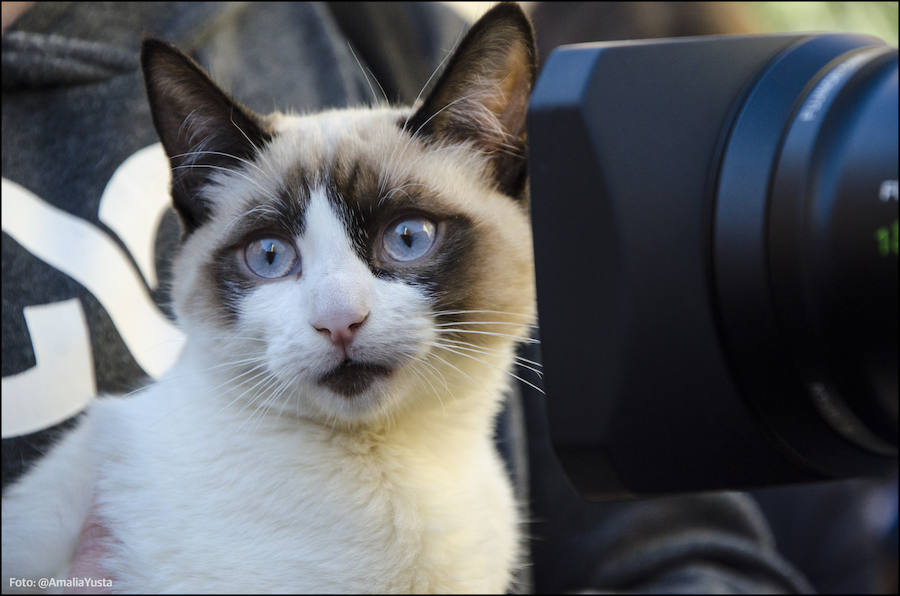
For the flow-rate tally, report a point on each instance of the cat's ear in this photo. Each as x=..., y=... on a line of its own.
x=483, y=93
x=201, y=128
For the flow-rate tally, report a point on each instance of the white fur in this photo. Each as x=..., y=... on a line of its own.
x=211, y=484
x=43, y=514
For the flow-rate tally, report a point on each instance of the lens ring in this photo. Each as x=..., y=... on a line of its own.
x=809, y=223
x=758, y=348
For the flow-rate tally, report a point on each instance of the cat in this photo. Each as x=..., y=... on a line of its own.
x=352, y=285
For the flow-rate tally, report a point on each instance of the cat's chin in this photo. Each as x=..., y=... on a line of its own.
x=352, y=378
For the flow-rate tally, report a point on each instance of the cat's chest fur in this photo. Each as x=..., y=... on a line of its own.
x=297, y=509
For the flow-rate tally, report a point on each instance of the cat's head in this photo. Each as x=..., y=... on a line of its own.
x=357, y=261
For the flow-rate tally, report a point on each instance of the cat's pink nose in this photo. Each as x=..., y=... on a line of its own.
x=340, y=325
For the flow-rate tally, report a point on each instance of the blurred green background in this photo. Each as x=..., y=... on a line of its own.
x=875, y=18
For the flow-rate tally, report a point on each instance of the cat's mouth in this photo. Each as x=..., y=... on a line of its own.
x=352, y=378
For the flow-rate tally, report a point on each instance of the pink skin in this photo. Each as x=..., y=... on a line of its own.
x=92, y=545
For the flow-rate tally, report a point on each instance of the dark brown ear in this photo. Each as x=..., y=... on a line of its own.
x=202, y=129
x=482, y=96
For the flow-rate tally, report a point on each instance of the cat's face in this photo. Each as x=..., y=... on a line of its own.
x=357, y=261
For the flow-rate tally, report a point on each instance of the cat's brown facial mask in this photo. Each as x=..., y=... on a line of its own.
x=360, y=257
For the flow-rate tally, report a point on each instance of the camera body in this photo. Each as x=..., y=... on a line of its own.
x=715, y=249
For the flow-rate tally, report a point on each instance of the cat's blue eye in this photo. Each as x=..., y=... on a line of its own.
x=409, y=239
x=270, y=258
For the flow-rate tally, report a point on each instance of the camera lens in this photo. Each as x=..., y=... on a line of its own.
x=731, y=320
x=815, y=339
x=832, y=242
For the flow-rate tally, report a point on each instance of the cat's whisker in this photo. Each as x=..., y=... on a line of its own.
x=388, y=165
x=297, y=400
x=261, y=209
x=380, y=88
x=412, y=110
x=175, y=377
x=414, y=136
x=485, y=353
x=237, y=362
x=138, y=390
x=248, y=376
x=500, y=312
x=223, y=154
x=285, y=393
x=492, y=366
x=183, y=127
x=425, y=86
x=517, y=324
x=437, y=113
x=165, y=416
x=255, y=368
x=422, y=376
x=522, y=338
x=265, y=191
x=285, y=398
x=253, y=395
x=274, y=394
x=260, y=376
x=236, y=338
x=390, y=193
x=397, y=189
x=437, y=372
x=363, y=70
x=262, y=383
x=510, y=152
x=263, y=394
x=495, y=350
x=526, y=360
x=467, y=375
x=491, y=350
x=500, y=351
x=240, y=130
x=257, y=361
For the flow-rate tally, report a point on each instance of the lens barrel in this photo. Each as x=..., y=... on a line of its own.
x=715, y=238
x=809, y=306
x=833, y=245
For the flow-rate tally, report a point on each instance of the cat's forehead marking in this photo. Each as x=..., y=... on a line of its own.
x=325, y=241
